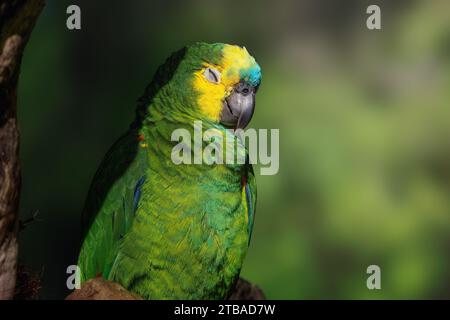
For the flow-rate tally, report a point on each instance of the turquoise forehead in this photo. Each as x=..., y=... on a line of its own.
x=251, y=75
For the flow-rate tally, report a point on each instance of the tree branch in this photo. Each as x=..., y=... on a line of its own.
x=101, y=289
x=17, y=19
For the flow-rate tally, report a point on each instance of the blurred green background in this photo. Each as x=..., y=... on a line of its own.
x=364, y=119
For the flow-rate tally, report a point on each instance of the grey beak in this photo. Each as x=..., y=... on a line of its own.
x=238, y=107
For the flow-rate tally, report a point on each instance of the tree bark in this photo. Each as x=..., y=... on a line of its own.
x=17, y=19
x=101, y=289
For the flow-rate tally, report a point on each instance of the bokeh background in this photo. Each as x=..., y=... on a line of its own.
x=364, y=119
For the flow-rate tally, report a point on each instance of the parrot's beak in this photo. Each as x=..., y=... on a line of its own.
x=238, y=107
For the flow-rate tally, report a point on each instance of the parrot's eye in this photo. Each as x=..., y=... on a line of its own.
x=212, y=75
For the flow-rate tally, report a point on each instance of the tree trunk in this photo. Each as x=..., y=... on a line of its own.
x=17, y=19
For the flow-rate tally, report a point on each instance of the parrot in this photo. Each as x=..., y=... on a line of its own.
x=176, y=231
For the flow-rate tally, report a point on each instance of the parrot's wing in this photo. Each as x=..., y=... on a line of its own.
x=250, y=192
x=111, y=205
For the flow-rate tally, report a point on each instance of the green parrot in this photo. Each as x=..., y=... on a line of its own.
x=176, y=231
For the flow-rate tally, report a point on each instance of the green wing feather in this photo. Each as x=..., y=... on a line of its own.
x=250, y=191
x=111, y=205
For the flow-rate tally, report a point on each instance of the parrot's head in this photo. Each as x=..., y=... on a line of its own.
x=226, y=81
x=214, y=82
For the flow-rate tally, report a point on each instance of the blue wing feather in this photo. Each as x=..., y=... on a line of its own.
x=137, y=193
